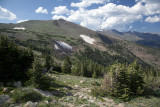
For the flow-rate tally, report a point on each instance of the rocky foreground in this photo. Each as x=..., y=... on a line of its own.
x=71, y=91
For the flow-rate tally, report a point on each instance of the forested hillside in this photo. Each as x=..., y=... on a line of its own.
x=49, y=58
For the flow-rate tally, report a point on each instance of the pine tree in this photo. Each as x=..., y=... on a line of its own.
x=67, y=65
x=14, y=62
x=49, y=62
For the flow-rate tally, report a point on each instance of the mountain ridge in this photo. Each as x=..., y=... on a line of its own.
x=146, y=39
x=42, y=36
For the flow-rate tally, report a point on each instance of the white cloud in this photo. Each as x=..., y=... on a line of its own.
x=41, y=10
x=20, y=21
x=60, y=10
x=6, y=14
x=56, y=17
x=151, y=6
x=86, y=3
x=130, y=27
x=136, y=0
x=153, y=19
x=109, y=15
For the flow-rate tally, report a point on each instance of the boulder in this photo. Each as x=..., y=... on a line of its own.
x=89, y=90
x=85, y=97
x=46, y=102
x=17, y=84
x=91, y=101
x=82, y=81
x=30, y=104
x=75, y=95
x=12, y=91
x=43, y=93
x=5, y=90
x=81, y=96
x=69, y=94
x=3, y=99
x=69, y=98
x=76, y=86
x=120, y=105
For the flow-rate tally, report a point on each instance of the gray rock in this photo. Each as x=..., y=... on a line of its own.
x=81, y=96
x=85, y=97
x=69, y=94
x=30, y=104
x=12, y=91
x=82, y=81
x=4, y=98
x=5, y=90
x=75, y=95
x=69, y=98
x=17, y=84
x=46, y=102
x=44, y=93
x=76, y=86
x=120, y=105
x=89, y=90
x=91, y=101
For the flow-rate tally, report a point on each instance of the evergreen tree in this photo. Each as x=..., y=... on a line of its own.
x=49, y=62
x=14, y=62
x=124, y=81
x=67, y=65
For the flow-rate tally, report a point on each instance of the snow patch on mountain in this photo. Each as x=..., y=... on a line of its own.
x=19, y=28
x=64, y=45
x=87, y=39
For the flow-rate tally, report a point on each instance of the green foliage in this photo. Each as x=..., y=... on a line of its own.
x=97, y=92
x=24, y=95
x=37, y=78
x=87, y=68
x=49, y=62
x=124, y=81
x=14, y=62
x=44, y=82
x=67, y=65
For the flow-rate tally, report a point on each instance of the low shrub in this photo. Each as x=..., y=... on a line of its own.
x=24, y=95
x=95, y=83
x=44, y=83
x=38, y=79
x=97, y=91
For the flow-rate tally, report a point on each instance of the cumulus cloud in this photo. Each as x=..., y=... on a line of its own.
x=109, y=15
x=152, y=7
x=130, y=27
x=20, y=21
x=60, y=10
x=86, y=3
x=6, y=14
x=56, y=17
x=153, y=19
x=41, y=10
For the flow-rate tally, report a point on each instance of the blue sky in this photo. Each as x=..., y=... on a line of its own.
x=123, y=15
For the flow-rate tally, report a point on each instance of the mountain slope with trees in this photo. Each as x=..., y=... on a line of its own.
x=146, y=39
x=45, y=36
x=64, y=69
